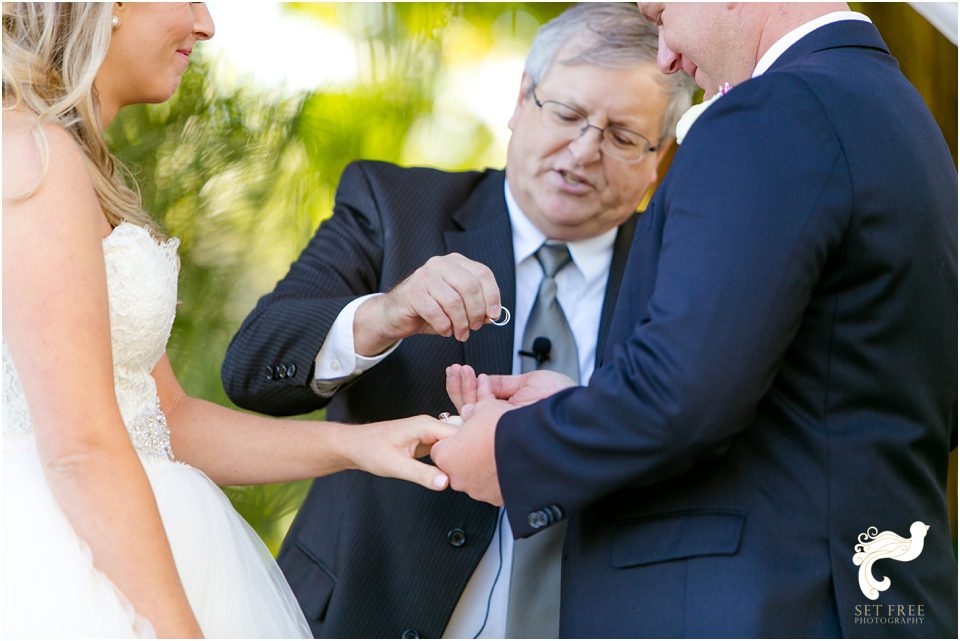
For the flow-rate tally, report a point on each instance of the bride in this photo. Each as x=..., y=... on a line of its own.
x=112, y=522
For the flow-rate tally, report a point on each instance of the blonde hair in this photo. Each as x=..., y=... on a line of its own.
x=52, y=52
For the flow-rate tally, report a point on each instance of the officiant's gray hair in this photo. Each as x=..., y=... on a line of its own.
x=607, y=34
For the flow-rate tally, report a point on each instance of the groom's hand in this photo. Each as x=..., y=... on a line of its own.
x=464, y=387
x=448, y=295
x=468, y=456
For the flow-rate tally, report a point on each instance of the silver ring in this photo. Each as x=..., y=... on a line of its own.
x=505, y=313
x=443, y=416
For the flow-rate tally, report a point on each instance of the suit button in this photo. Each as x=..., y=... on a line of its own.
x=276, y=372
x=282, y=371
x=538, y=519
x=410, y=634
x=291, y=369
x=269, y=373
x=457, y=537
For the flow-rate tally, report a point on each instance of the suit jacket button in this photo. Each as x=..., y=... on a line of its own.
x=555, y=513
x=269, y=373
x=276, y=372
x=457, y=537
x=538, y=519
x=281, y=371
x=410, y=634
x=291, y=369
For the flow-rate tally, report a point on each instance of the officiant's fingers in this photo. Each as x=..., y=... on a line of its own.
x=478, y=286
x=467, y=286
x=452, y=307
x=467, y=278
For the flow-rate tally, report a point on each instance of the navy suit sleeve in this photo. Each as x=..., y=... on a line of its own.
x=288, y=326
x=755, y=203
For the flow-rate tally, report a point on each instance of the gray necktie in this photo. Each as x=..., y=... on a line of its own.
x=548, y=320
x=533, y=610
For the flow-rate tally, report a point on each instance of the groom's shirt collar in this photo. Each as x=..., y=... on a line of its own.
x=791, y=38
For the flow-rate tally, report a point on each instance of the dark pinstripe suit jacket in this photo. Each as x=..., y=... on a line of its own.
x=370, y=557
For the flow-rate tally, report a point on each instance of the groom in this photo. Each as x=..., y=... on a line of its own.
x=368, y=557
x=780, y=382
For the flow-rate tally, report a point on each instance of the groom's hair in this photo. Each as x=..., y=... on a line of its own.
x=607, y=34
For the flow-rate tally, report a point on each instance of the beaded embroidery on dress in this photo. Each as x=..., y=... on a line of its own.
x=50, y=587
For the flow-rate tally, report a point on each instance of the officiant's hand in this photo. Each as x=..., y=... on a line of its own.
x=466, y=388
x=391, y=449
x=448, y=295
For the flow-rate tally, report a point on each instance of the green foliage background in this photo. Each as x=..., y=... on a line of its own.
x=243, y=176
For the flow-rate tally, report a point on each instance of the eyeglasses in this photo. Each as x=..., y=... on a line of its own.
x=619, y=142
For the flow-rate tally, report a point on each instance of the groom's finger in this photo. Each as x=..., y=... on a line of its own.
x=499, y=386
x=468, y=385
x=454, y=390
x=484, y=388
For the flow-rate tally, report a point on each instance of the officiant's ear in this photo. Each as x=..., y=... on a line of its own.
x=664, y=148
x=526, y=93
x=661, y=152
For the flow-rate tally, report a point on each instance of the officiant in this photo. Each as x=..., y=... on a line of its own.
x=403, y=280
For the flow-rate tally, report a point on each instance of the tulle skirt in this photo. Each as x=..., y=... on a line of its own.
x=50, y=587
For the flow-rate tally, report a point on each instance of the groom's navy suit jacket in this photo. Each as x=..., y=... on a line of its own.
x=372, y=557
x=780, y=375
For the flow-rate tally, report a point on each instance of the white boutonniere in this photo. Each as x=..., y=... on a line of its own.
x=690, y=115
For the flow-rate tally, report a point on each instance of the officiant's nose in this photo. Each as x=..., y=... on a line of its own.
x=585, y=148
x=667, y=60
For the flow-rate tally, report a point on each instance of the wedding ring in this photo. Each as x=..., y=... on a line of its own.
x=450, y=420
x=505, y=317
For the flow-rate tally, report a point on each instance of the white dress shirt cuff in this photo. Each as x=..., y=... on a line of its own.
x=338, y=362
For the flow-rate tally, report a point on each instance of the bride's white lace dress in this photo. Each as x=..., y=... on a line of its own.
x=50, y=587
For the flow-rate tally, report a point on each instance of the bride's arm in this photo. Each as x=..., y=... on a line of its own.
x=56, y=324
x=235, y=448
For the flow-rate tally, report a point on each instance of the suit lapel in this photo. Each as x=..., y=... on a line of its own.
x=618, y=264
x=486, y=237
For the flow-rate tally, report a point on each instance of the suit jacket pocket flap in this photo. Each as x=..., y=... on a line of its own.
x=311, y=581
x=679, y=535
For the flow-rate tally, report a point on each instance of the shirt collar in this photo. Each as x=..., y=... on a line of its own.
x=590, y=256
x=791, y=38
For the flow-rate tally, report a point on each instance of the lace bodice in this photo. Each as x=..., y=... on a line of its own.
x=142, y=290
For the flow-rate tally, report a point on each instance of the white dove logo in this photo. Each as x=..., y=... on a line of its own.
x=885, y=545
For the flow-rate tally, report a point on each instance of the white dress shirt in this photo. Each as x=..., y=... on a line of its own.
x=792, y=37
x=581, y=286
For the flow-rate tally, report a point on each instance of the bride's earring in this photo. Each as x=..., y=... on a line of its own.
x=115, y=22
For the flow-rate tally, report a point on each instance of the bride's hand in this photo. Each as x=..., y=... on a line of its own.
x=391, y=449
